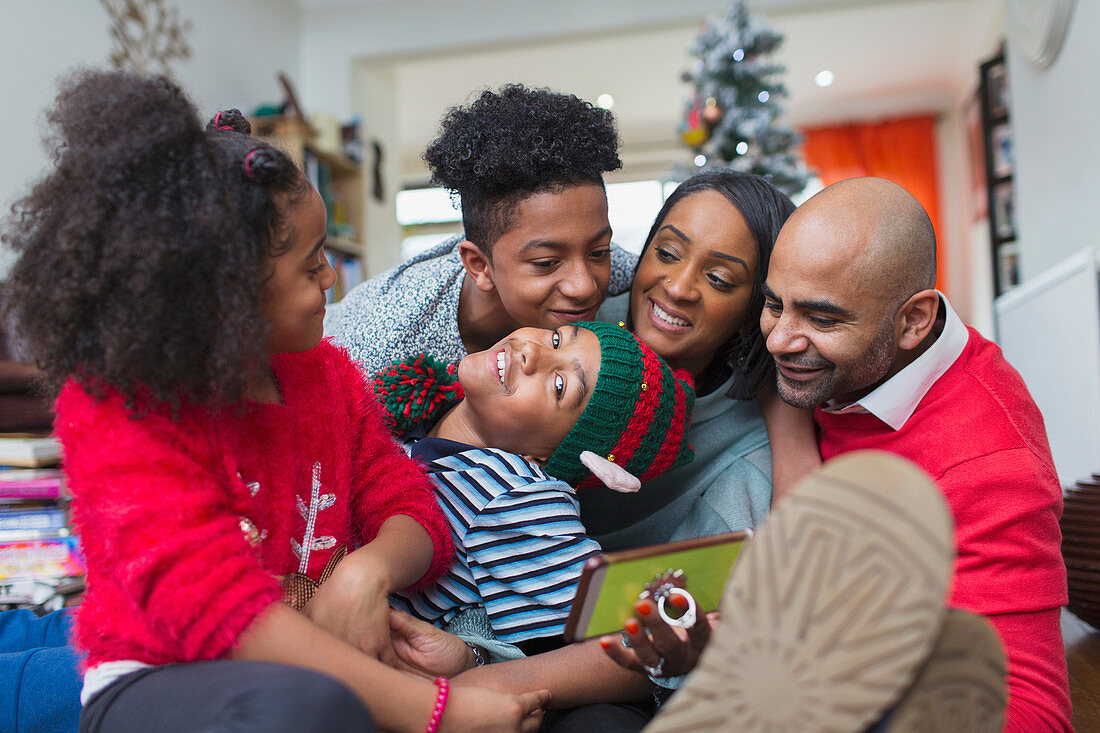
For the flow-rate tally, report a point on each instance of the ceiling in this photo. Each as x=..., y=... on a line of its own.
x=889, y=57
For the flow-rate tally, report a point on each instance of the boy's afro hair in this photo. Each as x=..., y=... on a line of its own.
x=522, y=140
x=511, y=144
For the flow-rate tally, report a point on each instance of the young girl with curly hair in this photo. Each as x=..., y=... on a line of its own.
x=242, y=510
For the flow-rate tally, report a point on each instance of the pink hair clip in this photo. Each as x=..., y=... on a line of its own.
x=218, y=124
x=248, y=164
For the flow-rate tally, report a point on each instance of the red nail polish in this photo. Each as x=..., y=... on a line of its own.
x=642, y=608
x=631, y=626
x=605, y=642
x=678, y=601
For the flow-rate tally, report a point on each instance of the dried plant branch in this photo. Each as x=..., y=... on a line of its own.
x=148, y=35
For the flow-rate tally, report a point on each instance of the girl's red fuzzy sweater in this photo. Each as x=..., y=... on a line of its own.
x=165, y=508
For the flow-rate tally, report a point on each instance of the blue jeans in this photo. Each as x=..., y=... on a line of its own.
x=39, y=681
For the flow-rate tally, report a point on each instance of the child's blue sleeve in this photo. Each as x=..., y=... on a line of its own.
x=472, y=626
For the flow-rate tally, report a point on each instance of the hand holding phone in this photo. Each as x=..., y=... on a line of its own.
x=611, y=584
x=654, y=647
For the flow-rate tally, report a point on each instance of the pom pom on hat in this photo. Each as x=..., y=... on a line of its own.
x=417, y=390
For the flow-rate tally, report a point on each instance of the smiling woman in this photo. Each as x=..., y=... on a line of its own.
x=696, y=299
x=692, y=289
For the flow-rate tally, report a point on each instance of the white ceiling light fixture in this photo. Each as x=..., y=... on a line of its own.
x=824, y=78
x=605, y=100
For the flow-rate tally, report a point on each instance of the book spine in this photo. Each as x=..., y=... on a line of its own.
x=50, y=558
x=15, y=520
x=29, y=591
x=33, y=489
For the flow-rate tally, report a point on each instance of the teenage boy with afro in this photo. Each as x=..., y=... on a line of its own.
x=528, y=166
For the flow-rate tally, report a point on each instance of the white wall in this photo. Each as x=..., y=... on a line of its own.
x=353, y=60
x=38, y=41
x=237, y=47
x=1054, y=118
x=334, y=34
x=879, y=74
x=968, y=258
x=1054, y=113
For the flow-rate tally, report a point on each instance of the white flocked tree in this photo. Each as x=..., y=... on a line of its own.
x=731, y=120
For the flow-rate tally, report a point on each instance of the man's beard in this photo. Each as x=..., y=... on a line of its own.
x=865, y=371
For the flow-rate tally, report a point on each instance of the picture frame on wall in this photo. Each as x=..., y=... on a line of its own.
x=997, y=91
x=1003, y=219
x=1008, y=265
x=1001, y=142
x=1000, y=163
x=976, y=145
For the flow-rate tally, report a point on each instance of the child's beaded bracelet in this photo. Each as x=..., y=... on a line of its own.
x=440, y=704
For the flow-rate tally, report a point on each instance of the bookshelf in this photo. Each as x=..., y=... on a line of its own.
x=339, y=179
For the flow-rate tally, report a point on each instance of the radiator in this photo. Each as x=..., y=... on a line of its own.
x=1049, y=329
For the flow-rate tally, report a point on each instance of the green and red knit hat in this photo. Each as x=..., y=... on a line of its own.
x=637, y=415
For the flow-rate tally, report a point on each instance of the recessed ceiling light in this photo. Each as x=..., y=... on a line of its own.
x=700, y=160
x=824, y=78
x=605, y=100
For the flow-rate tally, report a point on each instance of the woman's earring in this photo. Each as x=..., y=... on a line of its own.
x=743, y=348
x=668, y=279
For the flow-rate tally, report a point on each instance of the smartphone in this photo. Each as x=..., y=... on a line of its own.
x=610, y=584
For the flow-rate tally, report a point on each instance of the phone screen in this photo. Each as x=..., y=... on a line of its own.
x=705, y=572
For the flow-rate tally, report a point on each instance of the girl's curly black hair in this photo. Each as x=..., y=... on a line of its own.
x=512, y=144
x=745, y=357
x=142, y=253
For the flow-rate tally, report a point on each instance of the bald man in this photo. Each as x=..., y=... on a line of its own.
x=858, y=332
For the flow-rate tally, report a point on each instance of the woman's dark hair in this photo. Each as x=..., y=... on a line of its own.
x=765, y=209
x=515, y=143
x=141, y=254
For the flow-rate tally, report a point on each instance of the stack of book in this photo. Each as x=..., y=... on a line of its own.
x=40, y=558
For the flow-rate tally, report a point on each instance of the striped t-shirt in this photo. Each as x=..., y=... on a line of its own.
x=519, y=542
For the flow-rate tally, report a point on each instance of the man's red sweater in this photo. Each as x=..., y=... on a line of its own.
x=187, y=524
x=979, y=434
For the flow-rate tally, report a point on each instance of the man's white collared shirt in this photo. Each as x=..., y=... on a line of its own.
x=895, y=400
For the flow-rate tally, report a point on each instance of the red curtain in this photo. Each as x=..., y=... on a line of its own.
x=902, y=150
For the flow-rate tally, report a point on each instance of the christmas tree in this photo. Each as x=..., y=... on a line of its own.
x=731, y=121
